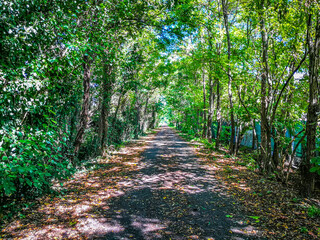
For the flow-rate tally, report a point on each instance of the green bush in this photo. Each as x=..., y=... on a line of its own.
x=30, y=159
x=316, y=162
x=313, y=211
x=207, y=144
x=248, y=161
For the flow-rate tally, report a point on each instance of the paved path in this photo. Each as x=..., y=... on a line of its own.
x=174, y=197
x=168, y=194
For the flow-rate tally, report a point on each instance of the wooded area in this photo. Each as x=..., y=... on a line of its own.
x=79, y=78
x=254, y=66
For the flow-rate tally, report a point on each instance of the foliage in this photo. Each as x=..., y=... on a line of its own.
x=249, y=161
x=227, y=79
x=314, y=211
x=316, y=162
x=79, y=78
x=76, y=78
x=32, y=160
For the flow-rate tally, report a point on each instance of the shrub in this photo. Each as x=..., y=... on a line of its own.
x=30, y=159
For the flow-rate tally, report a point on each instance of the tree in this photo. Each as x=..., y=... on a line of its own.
x=313, y=40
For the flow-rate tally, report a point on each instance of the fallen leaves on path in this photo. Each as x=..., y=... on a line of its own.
x=84, y=211
x=78, y=213
x=275, y=208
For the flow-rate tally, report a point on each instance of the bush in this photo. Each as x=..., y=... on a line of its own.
x=30, y=159
x=316, y=162
x=313, y=211
x=248, y=161
x=207, y=144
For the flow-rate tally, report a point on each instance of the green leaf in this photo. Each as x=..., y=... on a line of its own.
x=9, y=188
x=28, y=182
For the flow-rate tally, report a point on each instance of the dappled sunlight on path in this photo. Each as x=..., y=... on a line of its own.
x=154, y=189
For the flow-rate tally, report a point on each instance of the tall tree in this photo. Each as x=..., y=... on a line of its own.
x=265, y=129
x=226, y=24
x=313, y=40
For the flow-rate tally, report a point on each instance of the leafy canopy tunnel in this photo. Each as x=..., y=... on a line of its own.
x=81, y=77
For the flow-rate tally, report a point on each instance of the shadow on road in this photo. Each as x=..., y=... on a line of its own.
x=163, y=194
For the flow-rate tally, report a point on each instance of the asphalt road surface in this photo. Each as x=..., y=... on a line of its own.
x=174, y=197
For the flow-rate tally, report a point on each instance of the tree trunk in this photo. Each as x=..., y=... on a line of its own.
x=226, y=24
x=84, y=115
x=137, y=108
x=145, y=115
x=152, y=125
x=313, y=108
x=218, y=115
x=122, y=93
x=204, y=131
x=254, y=135
x=278, y=134
x=239, y=137
x=198, y=122
x=211, y=103
x=265, y=130
x=107, y=85
x=218, y=108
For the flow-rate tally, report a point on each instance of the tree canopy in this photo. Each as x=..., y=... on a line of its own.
x=80, y=77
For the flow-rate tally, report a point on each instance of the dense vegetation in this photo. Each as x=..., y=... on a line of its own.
x=253, y=67
x=77, y=77
x=80, y=77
